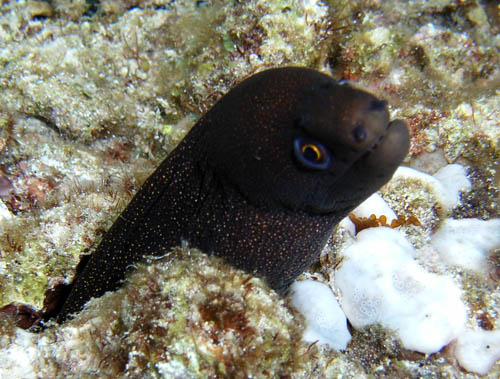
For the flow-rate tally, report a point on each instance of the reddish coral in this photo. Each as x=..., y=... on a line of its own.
x=119, y=152
x=38, y=188
x=418, y=125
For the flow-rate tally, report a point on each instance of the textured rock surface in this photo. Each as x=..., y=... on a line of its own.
x=94, y=96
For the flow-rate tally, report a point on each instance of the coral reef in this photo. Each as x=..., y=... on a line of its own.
x=95, y=94
x=198, y=317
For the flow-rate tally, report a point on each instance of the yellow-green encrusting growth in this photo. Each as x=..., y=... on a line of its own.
x=197, y=316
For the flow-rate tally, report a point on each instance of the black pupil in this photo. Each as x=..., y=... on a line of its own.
x=310, y=154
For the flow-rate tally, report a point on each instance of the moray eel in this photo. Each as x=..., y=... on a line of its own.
x=261, y=180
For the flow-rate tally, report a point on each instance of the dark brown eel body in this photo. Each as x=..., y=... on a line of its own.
x=262, y=180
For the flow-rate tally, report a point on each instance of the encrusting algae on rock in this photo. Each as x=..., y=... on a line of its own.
x=197, y=317
x=81, y=133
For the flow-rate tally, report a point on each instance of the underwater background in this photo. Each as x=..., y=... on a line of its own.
x=94, y=94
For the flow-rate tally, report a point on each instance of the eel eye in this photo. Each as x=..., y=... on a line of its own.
x=311, y=154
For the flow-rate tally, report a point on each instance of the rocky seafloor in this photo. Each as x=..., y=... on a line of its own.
x=96, y=94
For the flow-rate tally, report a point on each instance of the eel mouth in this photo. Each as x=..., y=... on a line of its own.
x=392, y=146
x=380, y=140
x=375, y=145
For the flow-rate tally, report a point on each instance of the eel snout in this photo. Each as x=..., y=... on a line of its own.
x=392, y=147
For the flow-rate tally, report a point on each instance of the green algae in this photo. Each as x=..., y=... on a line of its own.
x=189, y=317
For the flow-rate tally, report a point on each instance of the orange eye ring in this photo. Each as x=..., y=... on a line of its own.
x=308, y=148
x=311, y=154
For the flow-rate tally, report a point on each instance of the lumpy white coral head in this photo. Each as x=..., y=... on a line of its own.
x=326, y=322
x=467, y=243
x=382, y=283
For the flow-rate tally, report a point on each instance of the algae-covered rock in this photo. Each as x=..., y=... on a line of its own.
x=183, y=315
x=96, y=93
